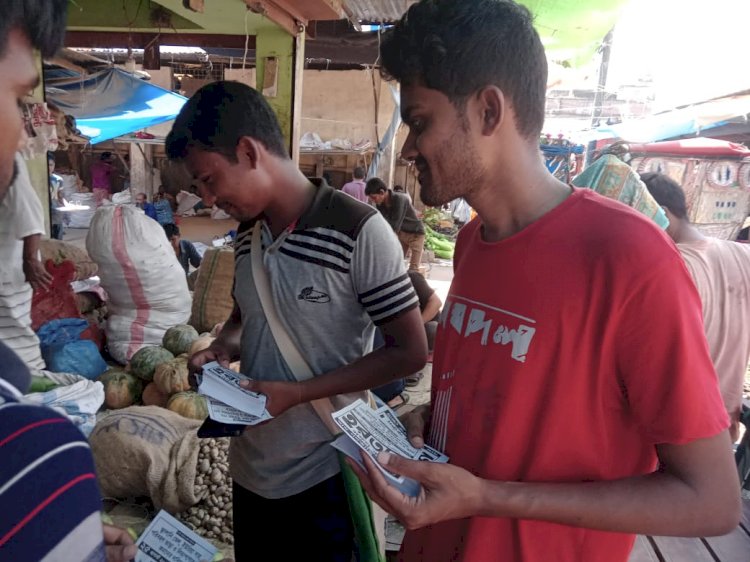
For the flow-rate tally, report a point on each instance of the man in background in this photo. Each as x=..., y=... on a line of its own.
x=101, y=177
x=356, y=187
x=400, y=189
x=402, y=216
x=21, y=229
x=56, y=201
x=721, y=271
x=429, y=307
x=187, y=255
x=141, y=201
x=164, y=205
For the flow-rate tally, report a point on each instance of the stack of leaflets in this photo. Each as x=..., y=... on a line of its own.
x=168, y=540
x=376, y=431
x=227, y=401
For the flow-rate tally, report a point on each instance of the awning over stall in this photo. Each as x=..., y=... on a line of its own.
x=686, y=121
x=692, y=147
x=111, y=102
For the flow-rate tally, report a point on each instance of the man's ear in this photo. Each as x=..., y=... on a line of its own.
x=249, y=151
x=491, y=106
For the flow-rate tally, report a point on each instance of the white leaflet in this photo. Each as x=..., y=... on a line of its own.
x=168, y=540
x=224, y=385
x=374, y=431
x=220, y=412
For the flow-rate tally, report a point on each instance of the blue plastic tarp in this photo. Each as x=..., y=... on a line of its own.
x=112, y=102
x=692, y=120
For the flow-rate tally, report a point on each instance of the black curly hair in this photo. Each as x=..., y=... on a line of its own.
x=43, y=22
x=666, y=192
x=218, y=115
x=459, y=47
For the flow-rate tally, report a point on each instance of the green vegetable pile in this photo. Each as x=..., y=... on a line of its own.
x=432, y=216
x=440, y=244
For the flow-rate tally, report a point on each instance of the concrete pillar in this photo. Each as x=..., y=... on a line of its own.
x=299, y=68
x=141, y=177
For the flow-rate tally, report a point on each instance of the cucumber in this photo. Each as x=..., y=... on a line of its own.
x=41, y=384
x=444, y=254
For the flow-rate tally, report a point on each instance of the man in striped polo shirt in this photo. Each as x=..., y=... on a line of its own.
x=48, y=493
x=336, y=271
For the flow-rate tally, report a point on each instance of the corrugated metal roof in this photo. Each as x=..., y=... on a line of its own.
x=377, y=11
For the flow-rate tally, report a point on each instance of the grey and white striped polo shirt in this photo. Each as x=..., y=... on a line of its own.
x=333, y=277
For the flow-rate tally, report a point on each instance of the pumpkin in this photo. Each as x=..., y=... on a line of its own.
x=189, y=405
x=178, y=339
x=152, y=396
x=146, y=359
x=121, y=389
x=172, y=377
x=201, y=343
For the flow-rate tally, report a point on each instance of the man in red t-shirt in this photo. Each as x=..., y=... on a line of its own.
x=570, y=362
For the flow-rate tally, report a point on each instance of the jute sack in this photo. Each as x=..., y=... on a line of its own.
x=212, y=296
x=147, y=451
x=59, y=251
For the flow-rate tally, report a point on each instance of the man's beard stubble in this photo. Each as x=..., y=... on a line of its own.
x=463, y=173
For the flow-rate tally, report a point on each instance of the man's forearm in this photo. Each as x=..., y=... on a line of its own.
x=660, y=503
x=657, y=504
x=375, y=369
x=31, y=247
x=404, y=353
x=431, y=308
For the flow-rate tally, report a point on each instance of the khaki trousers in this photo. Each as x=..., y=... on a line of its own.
x=412, y=242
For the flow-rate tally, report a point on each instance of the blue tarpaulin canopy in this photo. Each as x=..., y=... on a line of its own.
x=687, y=121
x=111, y=102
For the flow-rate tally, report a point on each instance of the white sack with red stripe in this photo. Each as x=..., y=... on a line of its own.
x=138, y=268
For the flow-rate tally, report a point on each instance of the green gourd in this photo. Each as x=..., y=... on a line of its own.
x=143, y=363
x=178, y=339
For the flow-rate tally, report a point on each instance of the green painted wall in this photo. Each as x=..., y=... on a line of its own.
x=275, y=42
x=133, y=14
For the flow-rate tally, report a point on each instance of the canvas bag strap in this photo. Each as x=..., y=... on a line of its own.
x=289, y=351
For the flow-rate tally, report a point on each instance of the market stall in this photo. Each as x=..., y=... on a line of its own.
x=714, y=174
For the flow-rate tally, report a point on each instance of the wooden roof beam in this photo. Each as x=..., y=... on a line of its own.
x=294, y=15
x=278, y=15
x=139, y=40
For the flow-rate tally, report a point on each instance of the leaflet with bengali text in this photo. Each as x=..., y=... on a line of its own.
x=168, y=540
x=376, y=431
x=227, y=401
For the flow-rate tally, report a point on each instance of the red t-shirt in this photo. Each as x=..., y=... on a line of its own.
x=565, y=354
